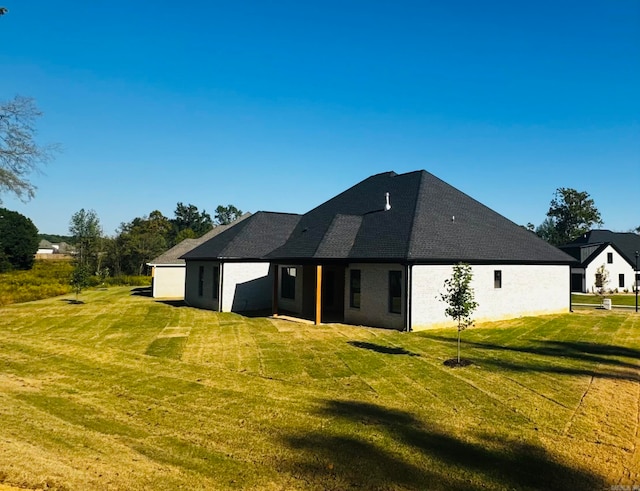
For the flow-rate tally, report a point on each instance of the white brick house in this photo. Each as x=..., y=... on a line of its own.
x=229, y=273
x=613, y=250
x=377, y=255
x=168, y=270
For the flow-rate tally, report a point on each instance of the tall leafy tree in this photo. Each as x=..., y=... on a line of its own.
x=227, y=214
x=460, y=298
x=187, y=233
x=20, y=154
x=572, y=213
x=188, y=217
x=86, y=231
x=138, y=242
x=18, y=241
x=547, y=231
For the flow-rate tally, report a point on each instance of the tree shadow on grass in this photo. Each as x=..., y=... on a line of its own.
x=378, y=348
x=369, y=457
x=72, y=301
x=562, y=357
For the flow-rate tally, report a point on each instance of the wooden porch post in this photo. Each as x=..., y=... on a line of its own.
x=318, y=294
x=274, y=298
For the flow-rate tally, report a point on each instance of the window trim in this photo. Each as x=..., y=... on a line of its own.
x=609, y=257
x=497, y=279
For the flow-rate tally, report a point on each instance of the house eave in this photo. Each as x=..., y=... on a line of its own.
x=229, y=259
x=419, y=261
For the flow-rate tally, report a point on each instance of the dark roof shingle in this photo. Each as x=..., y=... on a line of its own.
x=250, y=239
x=589, y=245
x=429, y=221
x=174, y=255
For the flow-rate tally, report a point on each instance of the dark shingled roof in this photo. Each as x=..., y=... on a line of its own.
x=429, y=221
x=589, y=245
x=250, y=239
x=174, y=255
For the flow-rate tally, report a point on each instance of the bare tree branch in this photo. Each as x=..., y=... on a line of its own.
x=20, y=154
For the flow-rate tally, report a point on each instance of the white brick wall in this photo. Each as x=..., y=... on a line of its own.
x=374, y=297
x=526, y=290
x=168, y=281
x=245, y=286
x=191, y=295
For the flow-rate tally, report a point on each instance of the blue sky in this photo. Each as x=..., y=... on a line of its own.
x=280, y=105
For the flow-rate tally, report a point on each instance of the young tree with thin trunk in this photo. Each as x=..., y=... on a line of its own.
x=79, y=279
x=85, y=228
x=602, y=281
x=460, y=297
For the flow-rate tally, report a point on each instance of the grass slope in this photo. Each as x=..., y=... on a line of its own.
x=124, y=392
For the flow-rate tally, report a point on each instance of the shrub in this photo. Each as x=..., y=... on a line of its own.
x=46, y=279
x=50, y=278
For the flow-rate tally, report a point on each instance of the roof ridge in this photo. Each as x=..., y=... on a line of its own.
x=277, y=213
x=413, y=232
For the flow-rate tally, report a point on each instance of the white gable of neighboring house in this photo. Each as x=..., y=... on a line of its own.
x=621, y=273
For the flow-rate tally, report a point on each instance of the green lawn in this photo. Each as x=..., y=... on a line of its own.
x=124, y=392
x=620, y=299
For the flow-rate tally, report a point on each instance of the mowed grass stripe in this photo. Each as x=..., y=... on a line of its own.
x=260, y=403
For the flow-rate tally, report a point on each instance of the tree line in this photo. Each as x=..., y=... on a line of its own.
x=571, y=212
x=139, y=241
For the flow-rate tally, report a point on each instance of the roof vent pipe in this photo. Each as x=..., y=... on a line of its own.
x=387, y=205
